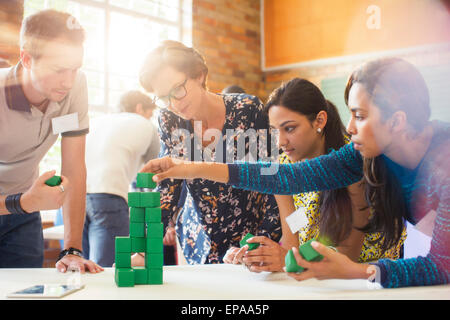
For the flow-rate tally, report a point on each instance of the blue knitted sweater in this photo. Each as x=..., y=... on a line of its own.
x=425, y=189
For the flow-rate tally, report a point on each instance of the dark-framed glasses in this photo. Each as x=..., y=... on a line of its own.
x=177, y=93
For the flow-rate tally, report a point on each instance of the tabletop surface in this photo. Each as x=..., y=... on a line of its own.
x=212, y=282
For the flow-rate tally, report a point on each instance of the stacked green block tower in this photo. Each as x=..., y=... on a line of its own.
x=146, y=235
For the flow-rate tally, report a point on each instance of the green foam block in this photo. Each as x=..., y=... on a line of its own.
x=124, y=277
x=134, y=199
x=140, y=275
x=154, y=245
x=137, y=229
x=291, y=263
x=155, y=275
x=154, y=260
x=144, y=180
x=53, y=181
x=138, y=244
x=152, y=215
x=251, y=246
x=308, y=253
x=155, y=230
x=150, y=199
x=137, y=214
x=123, y=244
x=123, y=260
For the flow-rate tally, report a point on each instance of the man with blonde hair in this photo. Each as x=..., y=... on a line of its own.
x=44, y=95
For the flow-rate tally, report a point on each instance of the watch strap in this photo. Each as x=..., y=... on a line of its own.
x=73, y=251
x=12, y=204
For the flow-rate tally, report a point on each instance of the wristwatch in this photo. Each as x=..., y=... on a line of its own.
x=71, y=250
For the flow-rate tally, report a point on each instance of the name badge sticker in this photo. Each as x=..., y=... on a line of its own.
x=297, y=220
x=68, y=122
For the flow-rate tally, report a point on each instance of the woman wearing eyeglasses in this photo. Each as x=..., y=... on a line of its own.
x=196, y=124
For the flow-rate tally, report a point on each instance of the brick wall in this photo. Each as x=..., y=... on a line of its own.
x=11, y=14
x=227, y=33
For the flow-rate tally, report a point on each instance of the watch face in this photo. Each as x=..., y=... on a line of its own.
x=75, y=252
x=71, y=251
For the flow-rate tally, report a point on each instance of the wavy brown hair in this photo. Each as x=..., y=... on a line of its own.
x=392, y=85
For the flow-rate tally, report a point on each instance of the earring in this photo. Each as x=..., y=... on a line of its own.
x=319, y=130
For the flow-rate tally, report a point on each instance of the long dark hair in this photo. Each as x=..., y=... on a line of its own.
x=302, y=96
x=392, y=84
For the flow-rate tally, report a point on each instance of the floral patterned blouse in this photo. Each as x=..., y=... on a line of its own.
x=369, y=251
x=211, y=217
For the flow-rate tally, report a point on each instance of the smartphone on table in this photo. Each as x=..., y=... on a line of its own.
x=46, y=291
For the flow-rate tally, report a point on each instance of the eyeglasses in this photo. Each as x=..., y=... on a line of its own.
x=177, y=93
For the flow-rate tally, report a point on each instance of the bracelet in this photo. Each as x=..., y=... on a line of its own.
x=333, y=248
x=12, y=204
x=71, y=250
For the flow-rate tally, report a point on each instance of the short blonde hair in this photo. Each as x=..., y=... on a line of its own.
x=174, y=54
x=47, y=25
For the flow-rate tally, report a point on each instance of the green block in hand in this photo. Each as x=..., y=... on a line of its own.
x=53, y=181
x=251, y=246
x=144, y=180
x=308, y=253
x=291, y=263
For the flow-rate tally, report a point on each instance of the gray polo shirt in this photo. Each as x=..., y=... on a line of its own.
x=26, y=134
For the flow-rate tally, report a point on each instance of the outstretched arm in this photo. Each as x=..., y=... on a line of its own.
x=174, y=168
x=334, y=170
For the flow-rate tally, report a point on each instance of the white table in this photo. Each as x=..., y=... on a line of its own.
x=213, y=282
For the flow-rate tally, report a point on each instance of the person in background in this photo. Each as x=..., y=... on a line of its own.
x=116, y=148
x=210, y=217
x=310, y=126
x=44, y=95
x=398, y=152
x=233, y=89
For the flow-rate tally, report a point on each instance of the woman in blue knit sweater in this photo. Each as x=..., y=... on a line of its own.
x=395, y=149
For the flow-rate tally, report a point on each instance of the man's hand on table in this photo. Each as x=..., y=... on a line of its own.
x=74, y=262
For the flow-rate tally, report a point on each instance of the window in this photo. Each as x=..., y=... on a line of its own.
x=119, y=33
